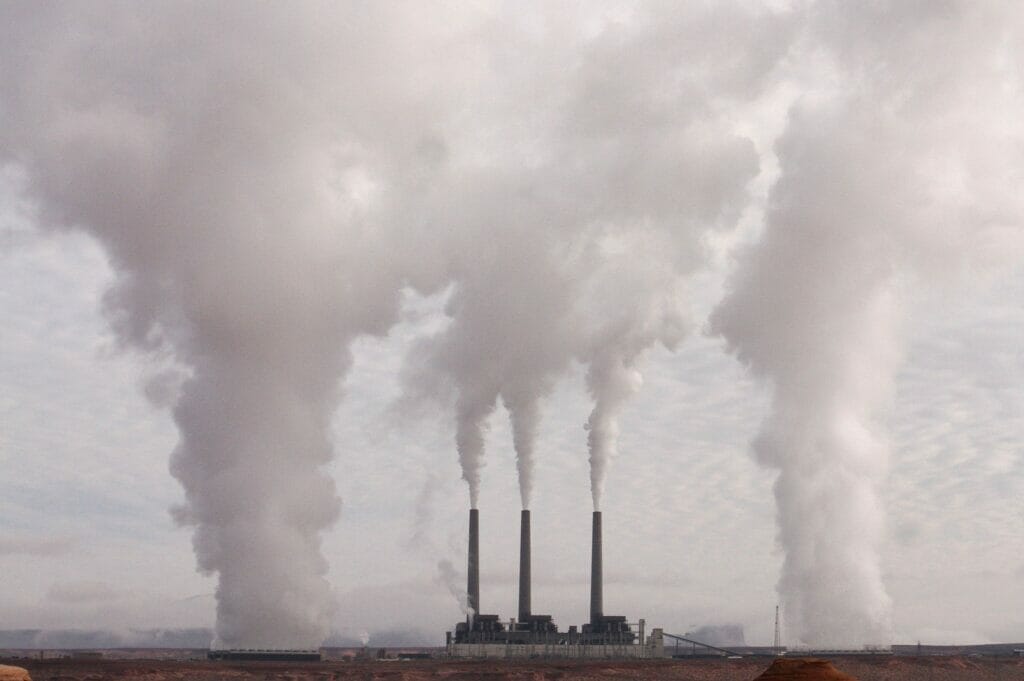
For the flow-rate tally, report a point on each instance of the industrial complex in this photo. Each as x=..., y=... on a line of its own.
x=531, y=635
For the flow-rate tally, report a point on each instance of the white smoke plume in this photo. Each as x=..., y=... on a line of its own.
x=422, y=542
x=903, y=165
x=507, y=339
x=636, y=300
x=573, y=238
x=267, y=180
x=455, y=583
x=219, y=155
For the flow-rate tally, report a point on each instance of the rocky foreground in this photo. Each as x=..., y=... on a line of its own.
x=9, y=673
x=747, y=669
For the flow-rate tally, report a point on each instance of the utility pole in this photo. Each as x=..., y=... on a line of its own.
x=778, y=637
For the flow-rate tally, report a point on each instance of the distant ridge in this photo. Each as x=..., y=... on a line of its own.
x=196, y=637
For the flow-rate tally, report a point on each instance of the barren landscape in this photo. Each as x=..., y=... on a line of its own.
x=747, y=669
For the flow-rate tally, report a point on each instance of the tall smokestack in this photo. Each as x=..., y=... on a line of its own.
x=596, y=586
x=524, y=565
x=473, y=571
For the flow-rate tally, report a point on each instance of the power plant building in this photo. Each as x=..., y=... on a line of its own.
x=264, y=655
x=530, y=635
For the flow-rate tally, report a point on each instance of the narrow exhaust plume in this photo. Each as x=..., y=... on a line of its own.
x=524, y=565
x=473, y=571
x=596, y=579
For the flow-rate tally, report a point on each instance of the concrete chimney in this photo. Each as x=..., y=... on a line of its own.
x=473, y=571
x=524, y=565
x=596, y=579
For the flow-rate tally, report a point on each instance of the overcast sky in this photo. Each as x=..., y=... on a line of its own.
x=87, y=539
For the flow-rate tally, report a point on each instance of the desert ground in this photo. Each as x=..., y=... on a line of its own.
x=887, y=668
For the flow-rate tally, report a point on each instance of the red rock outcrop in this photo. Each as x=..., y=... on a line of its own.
x=803, y=669
x=8, y=673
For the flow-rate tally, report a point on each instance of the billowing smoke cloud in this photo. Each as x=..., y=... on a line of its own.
x=905, y=165
x=637, y=301
x=573, y=238
x=266, y=181
x=508, y=337
x=221, y=156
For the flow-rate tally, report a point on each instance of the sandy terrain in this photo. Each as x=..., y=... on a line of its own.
x=747, y=669
x=799, y=669
x=8, y=673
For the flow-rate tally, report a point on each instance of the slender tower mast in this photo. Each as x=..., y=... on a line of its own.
x=778, y=637
x=473, y=570
x=596, y=573
x=524, y=566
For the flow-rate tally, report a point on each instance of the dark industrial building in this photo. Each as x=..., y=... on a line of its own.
x=266, y=655
x=483, y=635
x=602, y=628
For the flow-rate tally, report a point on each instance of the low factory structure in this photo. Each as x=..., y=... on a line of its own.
x=264, y=655
x=531, y=635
